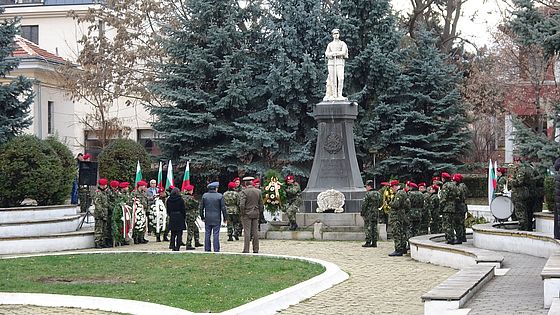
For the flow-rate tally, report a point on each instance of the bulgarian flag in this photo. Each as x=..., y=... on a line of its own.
x=160, y=176
x=186, y=178
x=169, y=181
x=138, y=174
x=492, y=181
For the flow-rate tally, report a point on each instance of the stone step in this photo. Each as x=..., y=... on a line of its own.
x=50, y=243
x=40, y=227
x=26, y=214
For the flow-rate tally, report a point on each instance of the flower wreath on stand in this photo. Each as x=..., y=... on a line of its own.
x=274, y=195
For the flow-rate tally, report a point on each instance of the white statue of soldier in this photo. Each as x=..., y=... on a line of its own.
x=336, y=52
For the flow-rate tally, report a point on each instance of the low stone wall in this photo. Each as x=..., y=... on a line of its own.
x=504, y=237
x=25, y=214
x=544, y=222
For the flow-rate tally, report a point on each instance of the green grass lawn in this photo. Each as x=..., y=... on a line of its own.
x=198, y=283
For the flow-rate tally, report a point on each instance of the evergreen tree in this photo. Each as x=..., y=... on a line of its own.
x=209, y=83
x=16, y=96
x=421, y=121
x=283, y=129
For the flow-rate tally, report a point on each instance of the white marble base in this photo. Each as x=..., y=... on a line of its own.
x=41, y=228
x=551, y=290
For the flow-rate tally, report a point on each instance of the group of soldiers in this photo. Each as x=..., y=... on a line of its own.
x=525, y=183
x=122, y=216
x=416, y=209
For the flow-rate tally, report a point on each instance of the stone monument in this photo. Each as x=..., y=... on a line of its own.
x=335, y=165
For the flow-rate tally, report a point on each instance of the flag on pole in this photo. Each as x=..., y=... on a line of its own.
x=138, y=174
x=160, y=176
x=169, y=181
x=492, y=182
x=186, y=178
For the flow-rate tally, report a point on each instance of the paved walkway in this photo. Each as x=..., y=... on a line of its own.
x=36, y=310
x=378, y=284
x=520, y=291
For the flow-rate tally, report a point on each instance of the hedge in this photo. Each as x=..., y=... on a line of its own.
x=118, y=160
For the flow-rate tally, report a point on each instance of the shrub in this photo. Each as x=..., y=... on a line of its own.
x=66, y=158
x=549, y=192
x=118, y=160
x=31, y=168
x=477, y=185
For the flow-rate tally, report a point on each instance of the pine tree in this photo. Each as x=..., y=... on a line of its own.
x=294, y=82
x=208, y=82
x=16, y=96
x=421, y=121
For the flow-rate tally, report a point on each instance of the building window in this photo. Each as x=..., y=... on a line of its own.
x=50, y=118
x=92, y=144
x=147, y=137
x=31, y=33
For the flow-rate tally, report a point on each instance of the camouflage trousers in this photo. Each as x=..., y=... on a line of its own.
x=459, y=225
x=424, y=222
x=99, y=232
x=435, y=223
x=192, y=232
x=522, y=208
x=291, y=211
x=399, y=230
x=370, y=229
x=414, y=228
x=447, y=225
x=233, y=225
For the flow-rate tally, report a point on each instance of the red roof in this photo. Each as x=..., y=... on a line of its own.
x=27, y=49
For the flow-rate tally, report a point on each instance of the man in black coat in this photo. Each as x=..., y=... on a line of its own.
x=177, y=214
x=212, y=210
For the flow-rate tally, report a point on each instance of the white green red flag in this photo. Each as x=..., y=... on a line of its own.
x=186, y=177
x=169, y=181
x=138, y=174
x=492, y=181
x=160, y=176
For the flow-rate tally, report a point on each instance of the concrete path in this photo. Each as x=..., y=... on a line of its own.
x=378, y=284
x=519, y=291
x=36, y=310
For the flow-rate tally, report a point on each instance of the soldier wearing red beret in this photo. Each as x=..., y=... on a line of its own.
x=460, y=208
x=102, y=230
x=399, y=205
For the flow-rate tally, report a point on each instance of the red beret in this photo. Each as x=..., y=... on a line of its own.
x=142, y=183
x=445, y=175
x=160, y=190
x=394, y=182
x=190, y=187
x=502, y=170
x=422, y=184
x=435, y=187
x=411, y=184
x=457, y=178
x=103, y=181
x=290, y=177
x=123, y=185
x=231, y=185
x=236, y=179
x=114, y=183
x=384, y=184
x=86, y=156
x=435, y=179
x=256, y=181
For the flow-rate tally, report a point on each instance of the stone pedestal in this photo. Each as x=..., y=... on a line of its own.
x=335, y=165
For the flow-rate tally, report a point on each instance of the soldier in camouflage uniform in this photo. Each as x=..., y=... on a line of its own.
x=191, y=205
x=460, y=208
x=448, y=195
x=101, y=215
x=140, y=200
x=432, y=205
x=293, y=200
x=502, y=180
x=231, y=200
x=399, y=206
x=425, y=220
x=522, y=188
x=416, y=207
x=370, y=213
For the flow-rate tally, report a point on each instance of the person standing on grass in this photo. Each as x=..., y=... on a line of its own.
x=212, y=210
x=177, y=215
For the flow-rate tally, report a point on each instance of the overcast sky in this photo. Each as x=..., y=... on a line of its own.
x=479, y=18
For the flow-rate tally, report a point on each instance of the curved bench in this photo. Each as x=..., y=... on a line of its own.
x=433, y=249
x=454, y=292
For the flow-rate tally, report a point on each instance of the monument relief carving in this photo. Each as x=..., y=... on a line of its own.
x=330, y=200
x=333, y=143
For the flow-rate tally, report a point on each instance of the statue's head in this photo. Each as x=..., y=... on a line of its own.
x=335, y=33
